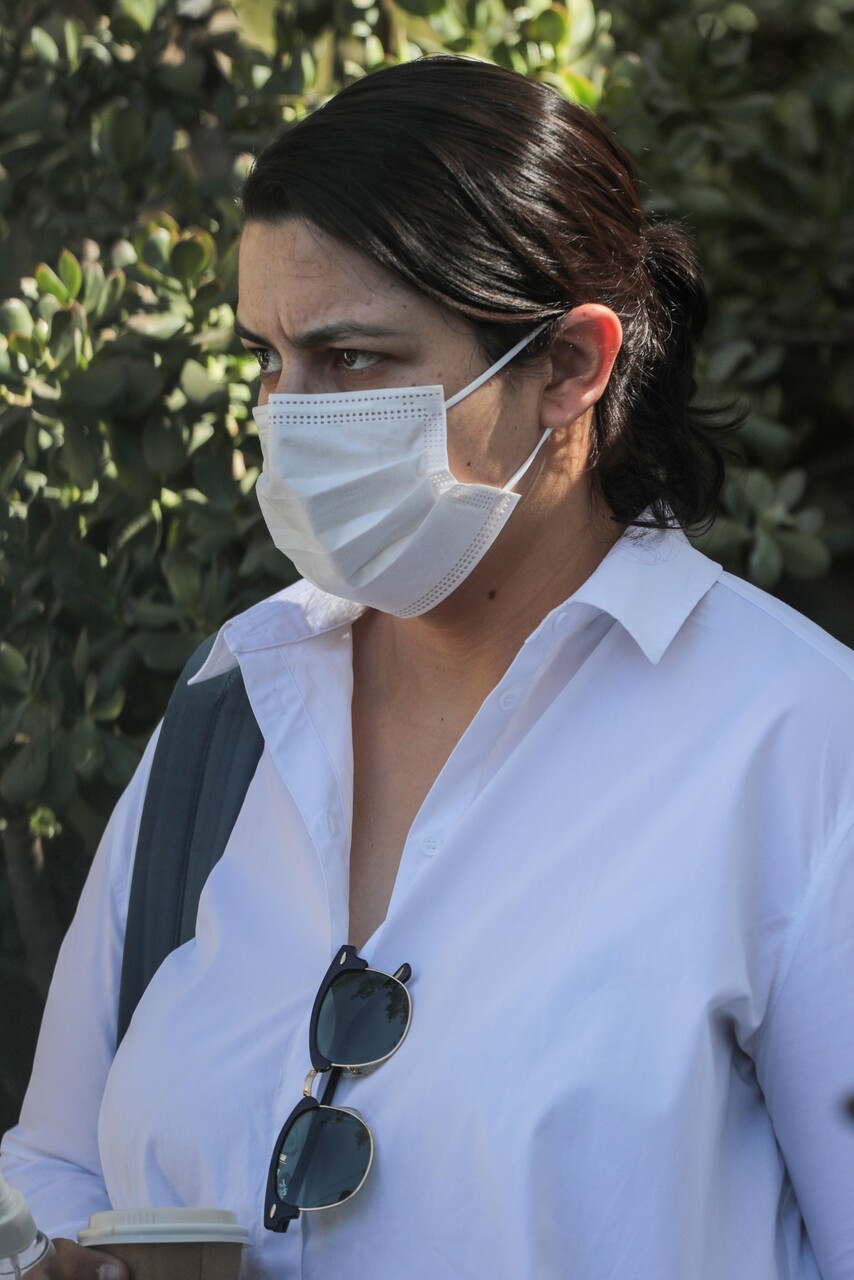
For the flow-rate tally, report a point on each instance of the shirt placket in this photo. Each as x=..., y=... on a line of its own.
x=499, y=724
x=305, y=720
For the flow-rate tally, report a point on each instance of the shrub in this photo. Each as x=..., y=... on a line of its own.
x=127, y=449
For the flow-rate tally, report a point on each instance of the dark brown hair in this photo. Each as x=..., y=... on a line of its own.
x=499, y=199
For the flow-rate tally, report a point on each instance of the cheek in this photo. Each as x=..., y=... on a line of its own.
x=490, y=437
x=469, y=438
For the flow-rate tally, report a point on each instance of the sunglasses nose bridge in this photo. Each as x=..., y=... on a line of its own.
x=308, y=1083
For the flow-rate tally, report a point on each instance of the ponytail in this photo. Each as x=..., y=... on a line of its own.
x=666, y=459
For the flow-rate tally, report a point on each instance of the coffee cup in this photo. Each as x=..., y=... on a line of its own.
x=170, y=1244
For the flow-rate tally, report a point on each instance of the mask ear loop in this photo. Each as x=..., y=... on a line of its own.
x=517, y=475
x=493, y=368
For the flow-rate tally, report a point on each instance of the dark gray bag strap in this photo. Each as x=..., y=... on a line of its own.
x=208, y=750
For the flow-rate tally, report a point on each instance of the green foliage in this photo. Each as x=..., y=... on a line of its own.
x=127, y=449
x=742, y=117
x=131, y=530
x=102, y=120
x=126, y=442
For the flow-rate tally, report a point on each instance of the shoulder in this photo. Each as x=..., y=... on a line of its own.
x=761, y=616
x=778, y=698
x=757, y=642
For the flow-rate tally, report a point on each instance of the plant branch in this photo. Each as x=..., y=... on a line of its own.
x=34, y=910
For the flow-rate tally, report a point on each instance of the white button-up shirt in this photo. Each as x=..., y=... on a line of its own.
x=628, y=904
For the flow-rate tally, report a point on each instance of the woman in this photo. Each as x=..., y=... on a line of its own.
x=519, y=735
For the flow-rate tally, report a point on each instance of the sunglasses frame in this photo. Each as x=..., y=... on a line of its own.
x=278, y=1214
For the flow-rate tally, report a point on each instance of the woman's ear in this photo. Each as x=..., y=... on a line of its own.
x=582, y=356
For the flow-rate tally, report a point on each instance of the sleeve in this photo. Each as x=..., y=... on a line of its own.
x=52, y=1153
x=805, y=1059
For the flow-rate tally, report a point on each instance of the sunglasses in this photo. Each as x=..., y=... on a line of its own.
x=323, y=1154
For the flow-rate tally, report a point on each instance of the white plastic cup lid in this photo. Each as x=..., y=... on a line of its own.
x=168, y=1226
x=17, y=1229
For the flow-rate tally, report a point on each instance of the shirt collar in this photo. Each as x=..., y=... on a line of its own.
x=649, y=582
x=294, y=614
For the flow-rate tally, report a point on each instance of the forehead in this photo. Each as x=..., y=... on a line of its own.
x=293, y=274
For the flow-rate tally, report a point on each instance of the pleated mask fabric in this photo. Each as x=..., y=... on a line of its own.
x=356, y=490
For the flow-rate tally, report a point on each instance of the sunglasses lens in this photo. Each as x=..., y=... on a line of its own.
x=363, y=1018
x=323, y=1159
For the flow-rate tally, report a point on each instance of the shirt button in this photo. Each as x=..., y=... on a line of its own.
x=508, y=700
x=431, y=844
x=332, y=822
x=561, y=622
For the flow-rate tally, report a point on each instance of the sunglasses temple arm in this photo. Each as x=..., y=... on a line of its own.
x=331, y=1086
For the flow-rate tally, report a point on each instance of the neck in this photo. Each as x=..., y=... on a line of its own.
x=457, y=653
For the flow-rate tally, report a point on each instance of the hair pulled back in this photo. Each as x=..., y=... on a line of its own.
x=502, y=201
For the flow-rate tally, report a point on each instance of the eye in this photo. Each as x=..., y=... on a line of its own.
x=353, y=359
x=268, y=361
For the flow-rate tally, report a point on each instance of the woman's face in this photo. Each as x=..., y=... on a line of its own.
x=322, y=317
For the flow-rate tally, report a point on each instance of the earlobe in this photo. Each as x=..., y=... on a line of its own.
x=582, y=355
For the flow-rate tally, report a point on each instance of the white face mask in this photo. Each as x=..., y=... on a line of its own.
x=356, y=490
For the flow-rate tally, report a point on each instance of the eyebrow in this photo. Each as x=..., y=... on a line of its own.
x=319, y=337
